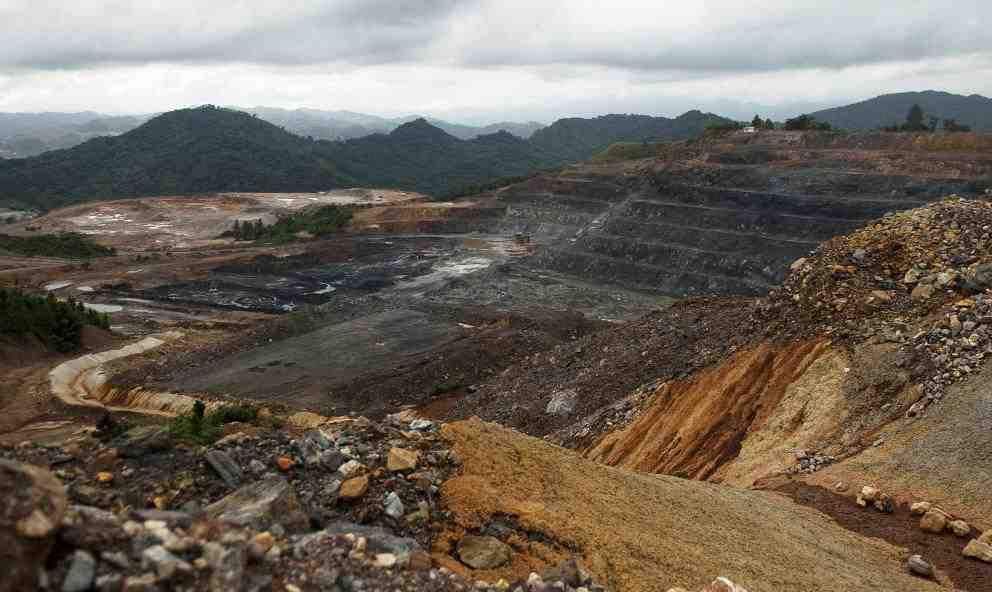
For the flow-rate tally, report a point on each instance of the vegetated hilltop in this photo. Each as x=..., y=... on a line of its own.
x=214, y=149
x=577, y=139
x=973, y=110
x=186, y=151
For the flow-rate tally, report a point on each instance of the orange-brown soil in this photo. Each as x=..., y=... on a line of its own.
x=636, y=531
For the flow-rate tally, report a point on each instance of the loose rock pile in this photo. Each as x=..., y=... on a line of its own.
x=348, y=506
x=918, y=278
x=809, y=462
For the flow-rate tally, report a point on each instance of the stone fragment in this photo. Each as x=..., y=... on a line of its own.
x=81, y=572
x=562, y=402
x=354, y=488
x=142, y=583
x=394, y=506
x=883, y=503
x=378, y=539
x=350, y=469
x=32, y=506
x=225, y=467
x=483, y=552
x=165, y=564
x=104, y=477
x=261, y=504
x=920, y=508
x=933, y=521
x=570, y=571
x=421, y=425
x=227, y=563
x=284, y=463
x=402, y=459
x=919, y=566
x=960, y=528
x=722, y=584
x=109, y=583
x=91, y=528
x=260, y=544
x=142, y=440
x=170, y=517
x=976, y=549
x=922, y=292
x=384, y=560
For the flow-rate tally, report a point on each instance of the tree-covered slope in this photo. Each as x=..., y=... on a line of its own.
x=185, y=151
x=577, y=139
x=972, y=110
x=214, y=149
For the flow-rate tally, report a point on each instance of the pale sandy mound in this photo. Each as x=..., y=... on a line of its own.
x=650, y=532
x=944, y=457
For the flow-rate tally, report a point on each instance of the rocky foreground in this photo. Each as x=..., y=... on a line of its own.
x=353, y=505
x=865, y=351
x=398, y=505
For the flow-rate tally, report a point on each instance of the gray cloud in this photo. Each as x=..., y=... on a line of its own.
x=485, y=60
x=628, y=34
x=57, y=35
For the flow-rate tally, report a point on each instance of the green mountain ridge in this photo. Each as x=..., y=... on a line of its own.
x=973, y=110
x=209, y=149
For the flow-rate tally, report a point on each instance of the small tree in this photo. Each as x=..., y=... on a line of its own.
x=757, y=122
x=769, y=124
x=196, y=423
x=914, y=119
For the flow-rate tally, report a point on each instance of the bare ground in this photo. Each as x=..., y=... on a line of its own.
x=651, y=532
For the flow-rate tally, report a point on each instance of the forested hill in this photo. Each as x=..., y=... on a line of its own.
x=578, y=139
x=185, y=151
x=215, y=149
x=972, y=110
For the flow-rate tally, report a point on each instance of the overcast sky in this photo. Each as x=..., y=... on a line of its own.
x=481, y=61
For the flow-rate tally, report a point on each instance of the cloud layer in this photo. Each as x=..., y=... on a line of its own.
x=440, y=53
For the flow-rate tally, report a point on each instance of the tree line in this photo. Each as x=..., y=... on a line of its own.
x=57, y=323
x=317, y=222
x=918, y=121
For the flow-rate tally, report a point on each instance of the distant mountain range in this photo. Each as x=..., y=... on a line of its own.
x=972, y=110
x=345, y=125
x=29, y=134
x=218, y=149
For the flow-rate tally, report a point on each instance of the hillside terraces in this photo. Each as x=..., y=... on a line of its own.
x=727, y=216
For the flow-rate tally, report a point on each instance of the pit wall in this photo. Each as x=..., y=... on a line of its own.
x=739, y=421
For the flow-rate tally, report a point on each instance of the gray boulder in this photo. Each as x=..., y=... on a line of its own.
x=225, y=467
x=81, y=572
x=483, y=552
x=142, y=440
x=261, y=504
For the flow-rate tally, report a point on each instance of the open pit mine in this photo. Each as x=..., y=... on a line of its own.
x=754, y=362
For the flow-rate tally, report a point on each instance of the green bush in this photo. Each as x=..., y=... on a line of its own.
x=202, y=428
x=67, y=245
x=321, y=221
